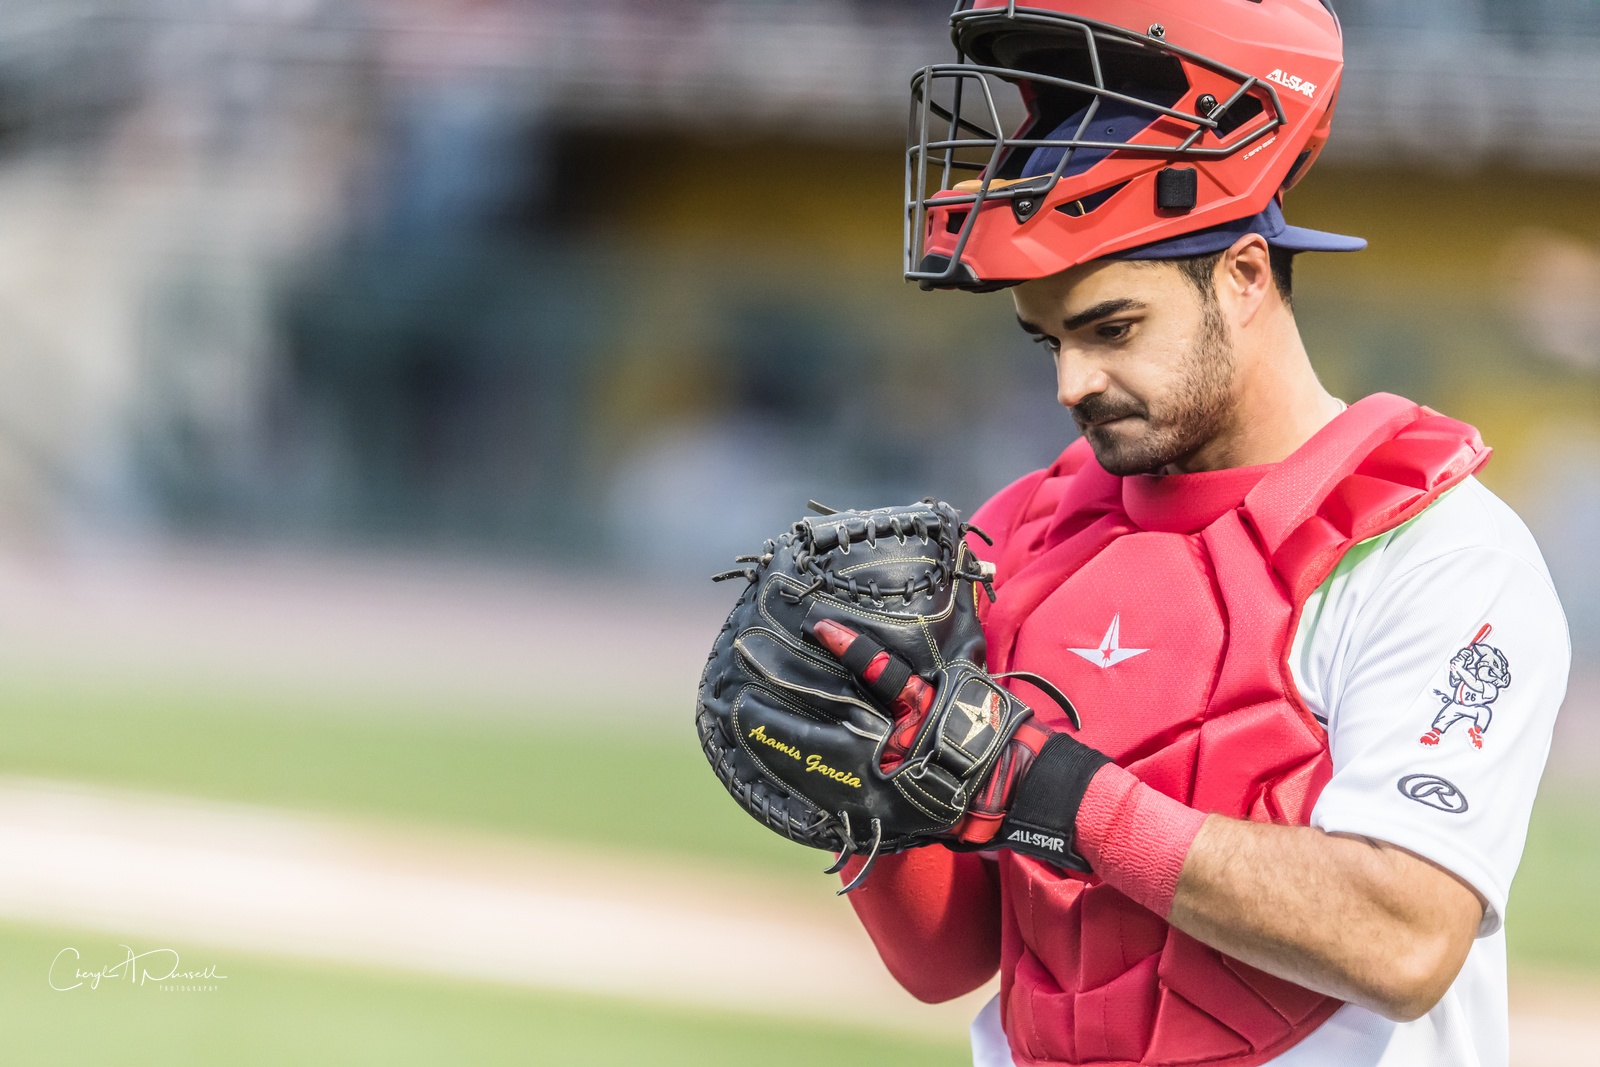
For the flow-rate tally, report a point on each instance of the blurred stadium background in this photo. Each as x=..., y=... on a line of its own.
x=357, y=357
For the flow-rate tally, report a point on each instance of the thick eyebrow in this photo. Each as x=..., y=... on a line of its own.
x=1028, y=327
x=1103, y=310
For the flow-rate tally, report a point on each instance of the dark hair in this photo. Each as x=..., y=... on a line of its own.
x=1201, y=272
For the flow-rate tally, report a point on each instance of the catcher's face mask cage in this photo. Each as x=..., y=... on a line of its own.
x=1123, y=136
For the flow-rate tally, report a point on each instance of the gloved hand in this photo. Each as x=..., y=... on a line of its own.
x=798, y=740
x=1029, y=801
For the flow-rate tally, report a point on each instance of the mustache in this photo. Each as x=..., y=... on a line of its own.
x=1099, y=408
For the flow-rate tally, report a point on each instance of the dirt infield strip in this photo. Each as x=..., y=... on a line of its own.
x=256, y=880
x=231, y=877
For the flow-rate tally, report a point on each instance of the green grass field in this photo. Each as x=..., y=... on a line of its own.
x=268, y=1013
x=1550, y=920
x=639, y=789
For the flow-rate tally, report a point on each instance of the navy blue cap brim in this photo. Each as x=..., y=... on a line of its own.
x=1301, y=239
x=1269, y=224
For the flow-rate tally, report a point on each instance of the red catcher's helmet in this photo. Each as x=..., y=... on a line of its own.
x=1138, y=121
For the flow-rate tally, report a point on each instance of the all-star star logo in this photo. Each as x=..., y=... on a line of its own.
x=1110, y=653
x=981, y=716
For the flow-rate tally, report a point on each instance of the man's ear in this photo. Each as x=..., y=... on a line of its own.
x=1244, y=278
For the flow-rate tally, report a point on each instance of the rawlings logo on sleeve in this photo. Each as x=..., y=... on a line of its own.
x=1433, y=791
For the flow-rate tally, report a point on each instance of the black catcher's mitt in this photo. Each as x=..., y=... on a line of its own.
x=801, y=739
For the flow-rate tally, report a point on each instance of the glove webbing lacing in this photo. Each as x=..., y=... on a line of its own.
x=819, y=548
x=850, y=850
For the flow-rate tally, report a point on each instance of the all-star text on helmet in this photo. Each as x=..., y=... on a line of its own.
x=1136, y=122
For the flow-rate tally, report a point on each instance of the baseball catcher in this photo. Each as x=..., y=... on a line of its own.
x=1267, y=839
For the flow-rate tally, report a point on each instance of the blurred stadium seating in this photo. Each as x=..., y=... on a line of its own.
x=477, y=274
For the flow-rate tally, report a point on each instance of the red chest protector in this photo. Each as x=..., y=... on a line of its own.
x=1166, y=607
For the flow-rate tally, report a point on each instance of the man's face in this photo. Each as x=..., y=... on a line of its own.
x=1143, y=362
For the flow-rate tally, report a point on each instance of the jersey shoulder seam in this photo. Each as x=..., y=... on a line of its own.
x=1495, y=550
x=1498, y=545
x=1360, y=623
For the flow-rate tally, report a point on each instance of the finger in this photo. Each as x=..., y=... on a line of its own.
x=882, y=673
x=833, y=636
x=886, y=676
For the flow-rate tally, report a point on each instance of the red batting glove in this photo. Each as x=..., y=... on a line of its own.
x=910, y=709
x=1132, y=836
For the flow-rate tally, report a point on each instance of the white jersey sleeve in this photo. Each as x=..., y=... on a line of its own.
x=1437, y=656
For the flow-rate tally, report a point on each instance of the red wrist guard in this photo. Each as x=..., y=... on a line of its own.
x=1135, y=838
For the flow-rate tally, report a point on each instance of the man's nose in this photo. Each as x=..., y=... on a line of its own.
x=1077, y=379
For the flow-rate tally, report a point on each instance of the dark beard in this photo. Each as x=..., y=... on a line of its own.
x=1184, y=420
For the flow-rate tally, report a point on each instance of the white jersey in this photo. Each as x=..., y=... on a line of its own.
x=1437, y=657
